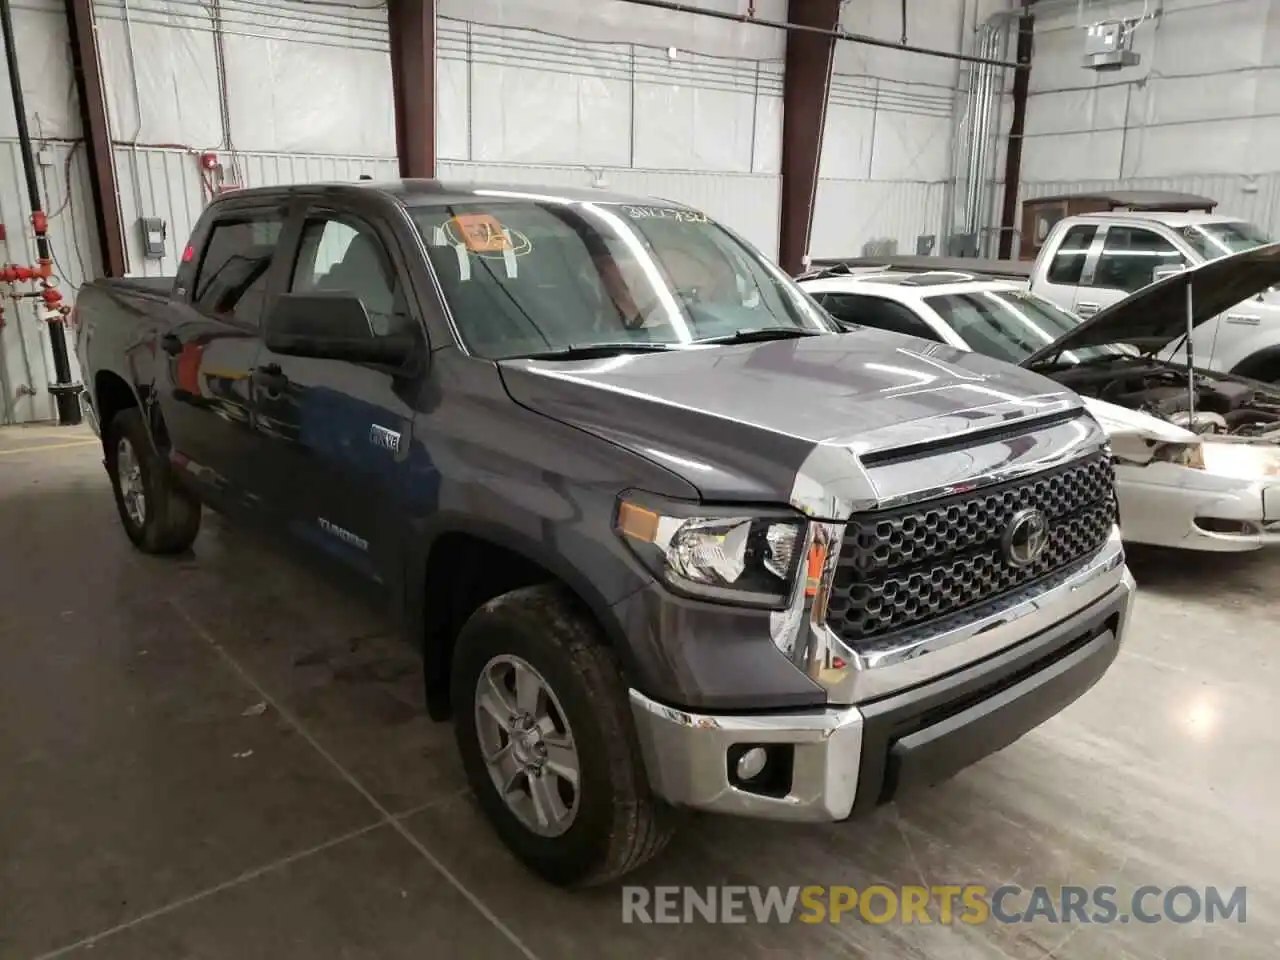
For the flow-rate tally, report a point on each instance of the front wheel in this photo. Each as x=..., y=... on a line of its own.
x=547, y=740
x=157, y=515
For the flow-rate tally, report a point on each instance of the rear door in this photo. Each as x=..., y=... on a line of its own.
x=204, y=382
x=1066, y=269
x=336, y=434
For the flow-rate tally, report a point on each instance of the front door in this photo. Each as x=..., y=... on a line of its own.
x=337, y=434
x=1126, y=263
x=207, y=354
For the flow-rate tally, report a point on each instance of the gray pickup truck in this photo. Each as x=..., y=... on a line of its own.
x=665, y=537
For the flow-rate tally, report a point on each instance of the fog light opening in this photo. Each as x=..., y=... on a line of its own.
x=1225, y=527
x=761, y=768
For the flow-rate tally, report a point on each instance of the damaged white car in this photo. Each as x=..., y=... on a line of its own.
x=1197, y=452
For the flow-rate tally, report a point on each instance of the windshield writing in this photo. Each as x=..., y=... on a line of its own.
x=529, y=276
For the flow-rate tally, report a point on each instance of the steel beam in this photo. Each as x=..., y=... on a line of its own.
x=1017, y=127
x=412, y=24
x=86, y=64
x=805, y=87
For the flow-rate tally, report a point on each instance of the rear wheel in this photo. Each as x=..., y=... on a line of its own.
x=544, y=728
x=157, y=515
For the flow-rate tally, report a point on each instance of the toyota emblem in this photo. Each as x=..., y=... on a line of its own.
x=1026, y=537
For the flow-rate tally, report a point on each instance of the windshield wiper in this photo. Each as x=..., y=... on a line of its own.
x=591, y=351
x=750, y=334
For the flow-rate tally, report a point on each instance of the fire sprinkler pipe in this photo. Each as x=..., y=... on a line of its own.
x=66, y=394
x=802, y=28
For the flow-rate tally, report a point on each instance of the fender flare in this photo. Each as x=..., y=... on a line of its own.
x=151, y=416
x=415, y=618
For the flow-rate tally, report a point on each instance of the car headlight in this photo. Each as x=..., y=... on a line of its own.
x=1244, y=461
x=749, y=559
x=1183, y=454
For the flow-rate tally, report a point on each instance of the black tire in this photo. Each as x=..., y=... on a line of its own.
x=619, y=824
x=170, y=516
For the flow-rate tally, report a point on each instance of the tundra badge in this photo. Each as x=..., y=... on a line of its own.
x=382, y=437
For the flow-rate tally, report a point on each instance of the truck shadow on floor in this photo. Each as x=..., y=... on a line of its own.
x=1199, y=575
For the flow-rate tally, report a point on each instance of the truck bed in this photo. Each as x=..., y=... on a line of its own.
x=158, y=287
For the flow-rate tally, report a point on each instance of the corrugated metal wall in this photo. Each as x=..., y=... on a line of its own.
x=166, y=184
x=853, y=212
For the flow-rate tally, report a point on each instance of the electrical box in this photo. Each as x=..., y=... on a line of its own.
x=880, y=247
x=962, y=245
x=154, y=233
x=1109, y=46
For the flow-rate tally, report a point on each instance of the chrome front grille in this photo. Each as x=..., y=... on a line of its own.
x=904, y=567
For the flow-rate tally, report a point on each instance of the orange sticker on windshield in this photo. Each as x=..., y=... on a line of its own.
x=481, y=233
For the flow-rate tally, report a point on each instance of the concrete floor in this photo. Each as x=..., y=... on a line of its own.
x=150, y=808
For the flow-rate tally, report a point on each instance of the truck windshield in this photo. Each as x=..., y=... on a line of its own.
x=1223, y=237
x=530, y=275
x=1010, y=324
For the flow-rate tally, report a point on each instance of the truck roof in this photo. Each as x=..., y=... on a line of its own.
x=414, y=192
x=1147, y=200
x=1168, y=218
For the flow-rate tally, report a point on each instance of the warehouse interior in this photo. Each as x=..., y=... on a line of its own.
x=228, y=754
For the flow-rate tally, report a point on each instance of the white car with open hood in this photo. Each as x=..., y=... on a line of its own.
x=1198, y=467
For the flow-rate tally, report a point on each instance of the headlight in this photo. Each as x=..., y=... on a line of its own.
x=715, y=554
x=1243, y=461
x=1183, y=454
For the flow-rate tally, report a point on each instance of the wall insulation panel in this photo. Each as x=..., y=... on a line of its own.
x=1199, y=113
x=892, y=125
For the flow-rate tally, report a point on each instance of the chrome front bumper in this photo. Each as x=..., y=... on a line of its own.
x=848, y=759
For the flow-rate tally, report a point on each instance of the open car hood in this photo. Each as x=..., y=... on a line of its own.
x=1157, y=314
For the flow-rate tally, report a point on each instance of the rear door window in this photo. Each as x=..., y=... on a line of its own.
x=1068, y=262
x=232, y=280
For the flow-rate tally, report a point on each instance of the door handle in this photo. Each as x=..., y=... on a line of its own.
x=1247, y=319
x=1087, y=309
x=271, y=378
x=171, y=343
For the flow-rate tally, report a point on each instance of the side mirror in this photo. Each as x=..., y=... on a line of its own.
x=331, y=326
x=1164, y=273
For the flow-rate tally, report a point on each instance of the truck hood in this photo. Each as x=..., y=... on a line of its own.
x=1157, y=314
x=738, y=422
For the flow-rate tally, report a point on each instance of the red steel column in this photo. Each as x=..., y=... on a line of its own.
x=412, y=24
x=805, y=85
